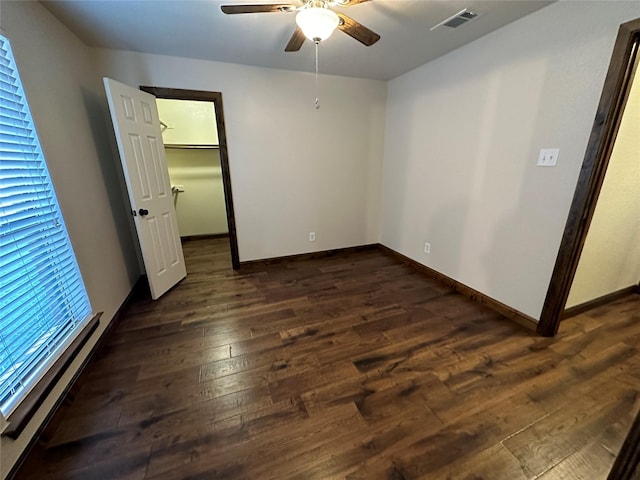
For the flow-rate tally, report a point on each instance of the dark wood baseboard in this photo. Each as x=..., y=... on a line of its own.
x=57, y=411
x=597, y=302
x=206, y=236
x=254, y=264
x=512, y=314
x=522, y=319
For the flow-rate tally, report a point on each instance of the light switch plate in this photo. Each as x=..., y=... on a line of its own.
x=548, y=157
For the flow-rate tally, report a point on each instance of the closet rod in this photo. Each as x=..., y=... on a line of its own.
x=181, y=145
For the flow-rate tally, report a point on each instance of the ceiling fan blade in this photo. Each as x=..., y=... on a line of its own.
x=261, y=8
x=296, y=41
x=358, y=31
x=348, y=3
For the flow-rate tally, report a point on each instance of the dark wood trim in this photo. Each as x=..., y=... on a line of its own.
x=603, y=134
x=512, y=314
x=206, y=236
x=627, y=463
x=258, y=264
x=23, y=414
x=597, y=302
x=216, y=98
x=141, y=287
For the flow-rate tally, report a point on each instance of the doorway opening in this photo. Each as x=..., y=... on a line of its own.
x=197, y=151
x=615, y=93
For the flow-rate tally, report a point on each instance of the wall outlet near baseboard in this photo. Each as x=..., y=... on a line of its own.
x=427, y=247
x=312, y=236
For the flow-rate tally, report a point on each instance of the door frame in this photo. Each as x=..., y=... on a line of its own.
x=216, y=98
x=615, y=92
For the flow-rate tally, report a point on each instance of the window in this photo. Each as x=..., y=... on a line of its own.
x=43, y=301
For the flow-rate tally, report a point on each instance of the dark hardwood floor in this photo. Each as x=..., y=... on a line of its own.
x=351, y=366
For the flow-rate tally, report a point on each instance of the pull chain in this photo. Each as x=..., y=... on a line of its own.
x=317, y=101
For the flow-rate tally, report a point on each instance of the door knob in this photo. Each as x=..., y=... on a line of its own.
x=143, y=212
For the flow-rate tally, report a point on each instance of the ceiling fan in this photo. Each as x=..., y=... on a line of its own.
x=315, y=20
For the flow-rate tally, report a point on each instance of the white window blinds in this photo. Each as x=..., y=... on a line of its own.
x=42, y=297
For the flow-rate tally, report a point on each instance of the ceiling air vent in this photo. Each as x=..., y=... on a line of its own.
x=456, y=20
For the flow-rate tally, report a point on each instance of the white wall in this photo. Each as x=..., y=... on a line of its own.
x=462, y=135
x=462, y=138
x=294, y=169
x=188, y=122
x=67, y=104
x=610, y=259
x=200, y=207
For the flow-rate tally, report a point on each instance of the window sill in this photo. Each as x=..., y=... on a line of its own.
x=21, y=416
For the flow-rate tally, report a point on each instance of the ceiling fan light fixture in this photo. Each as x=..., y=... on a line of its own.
x=317, y=23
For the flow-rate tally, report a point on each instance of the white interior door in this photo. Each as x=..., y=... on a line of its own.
x=137, y=127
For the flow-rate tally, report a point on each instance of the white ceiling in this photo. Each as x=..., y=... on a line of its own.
x=198, y=29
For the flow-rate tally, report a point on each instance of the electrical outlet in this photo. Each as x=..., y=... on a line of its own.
x=427, y=247
x=312, y=236
x=548, y=157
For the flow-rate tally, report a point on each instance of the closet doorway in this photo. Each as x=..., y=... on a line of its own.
x=196, y=147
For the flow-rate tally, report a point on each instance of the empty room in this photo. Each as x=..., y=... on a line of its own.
x=319, y=239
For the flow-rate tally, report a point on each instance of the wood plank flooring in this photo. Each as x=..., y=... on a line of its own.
x=352, y=366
